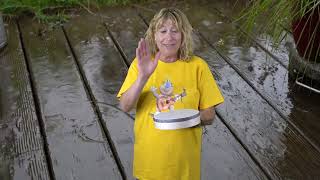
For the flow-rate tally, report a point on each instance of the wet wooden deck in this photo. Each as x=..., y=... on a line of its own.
x=59, y=117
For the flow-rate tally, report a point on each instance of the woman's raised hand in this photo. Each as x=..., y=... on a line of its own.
x=146, y=65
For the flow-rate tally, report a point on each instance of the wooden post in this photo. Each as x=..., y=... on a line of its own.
x=3, y=38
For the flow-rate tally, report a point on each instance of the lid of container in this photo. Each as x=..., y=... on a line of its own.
x=176, y=116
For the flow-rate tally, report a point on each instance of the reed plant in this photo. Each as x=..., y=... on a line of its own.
x=280, y=18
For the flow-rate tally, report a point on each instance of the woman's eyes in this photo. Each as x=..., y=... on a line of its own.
x=164, y=31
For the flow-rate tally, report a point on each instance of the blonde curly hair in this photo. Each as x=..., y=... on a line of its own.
x=181, y=21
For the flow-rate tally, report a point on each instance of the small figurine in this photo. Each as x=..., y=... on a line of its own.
x=166, y=99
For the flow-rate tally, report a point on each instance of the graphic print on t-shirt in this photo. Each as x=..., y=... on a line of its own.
x=166, y=99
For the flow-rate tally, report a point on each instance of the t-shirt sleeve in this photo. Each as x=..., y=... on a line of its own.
x=210, y=94
x=130, y=78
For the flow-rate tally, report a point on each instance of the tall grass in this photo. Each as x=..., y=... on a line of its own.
x=53, y=9
x=277, y=13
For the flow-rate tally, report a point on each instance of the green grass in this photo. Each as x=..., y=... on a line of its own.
x=277, y=14
x=51, y=10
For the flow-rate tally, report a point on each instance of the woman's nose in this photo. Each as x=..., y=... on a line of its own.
x=169, y=35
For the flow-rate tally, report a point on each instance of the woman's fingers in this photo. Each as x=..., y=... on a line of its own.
x=157, y=57
x=145, y=64
x=139, y=50
x=138, y=54
x=142, y=48
x=147, y=48
x=143, y=54
x=143, y=45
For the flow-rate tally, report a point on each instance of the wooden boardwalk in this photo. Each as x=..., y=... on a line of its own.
x=59, y=115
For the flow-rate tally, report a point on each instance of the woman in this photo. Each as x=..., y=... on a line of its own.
x=164, y=65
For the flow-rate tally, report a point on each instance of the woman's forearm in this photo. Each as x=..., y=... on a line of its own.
x=207, y=116
x=130, y=98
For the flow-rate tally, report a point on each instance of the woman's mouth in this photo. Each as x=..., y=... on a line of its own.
x=169, y=45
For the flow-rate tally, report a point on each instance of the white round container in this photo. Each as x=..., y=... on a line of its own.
x=176, y=119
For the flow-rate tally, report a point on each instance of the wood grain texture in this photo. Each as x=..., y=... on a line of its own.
x=77, y=144
x=21, y=145
x=105, y=71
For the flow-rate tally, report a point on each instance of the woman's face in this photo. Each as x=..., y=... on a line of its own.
x=168, y=39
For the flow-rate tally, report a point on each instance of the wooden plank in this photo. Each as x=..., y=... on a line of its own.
x=77, y=144
x=22, y=153
x=234, y=161
x=124, y=28
x=105, y=71
x=231, y=11
x=272, y=79
x=276, y=145
x=266, y=74
x=224, y=158
x=120, y=127
x=270, y=139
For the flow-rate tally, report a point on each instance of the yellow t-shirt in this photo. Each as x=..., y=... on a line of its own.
x=171, y=154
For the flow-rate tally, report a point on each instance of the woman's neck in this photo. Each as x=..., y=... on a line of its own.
x=169, y=59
